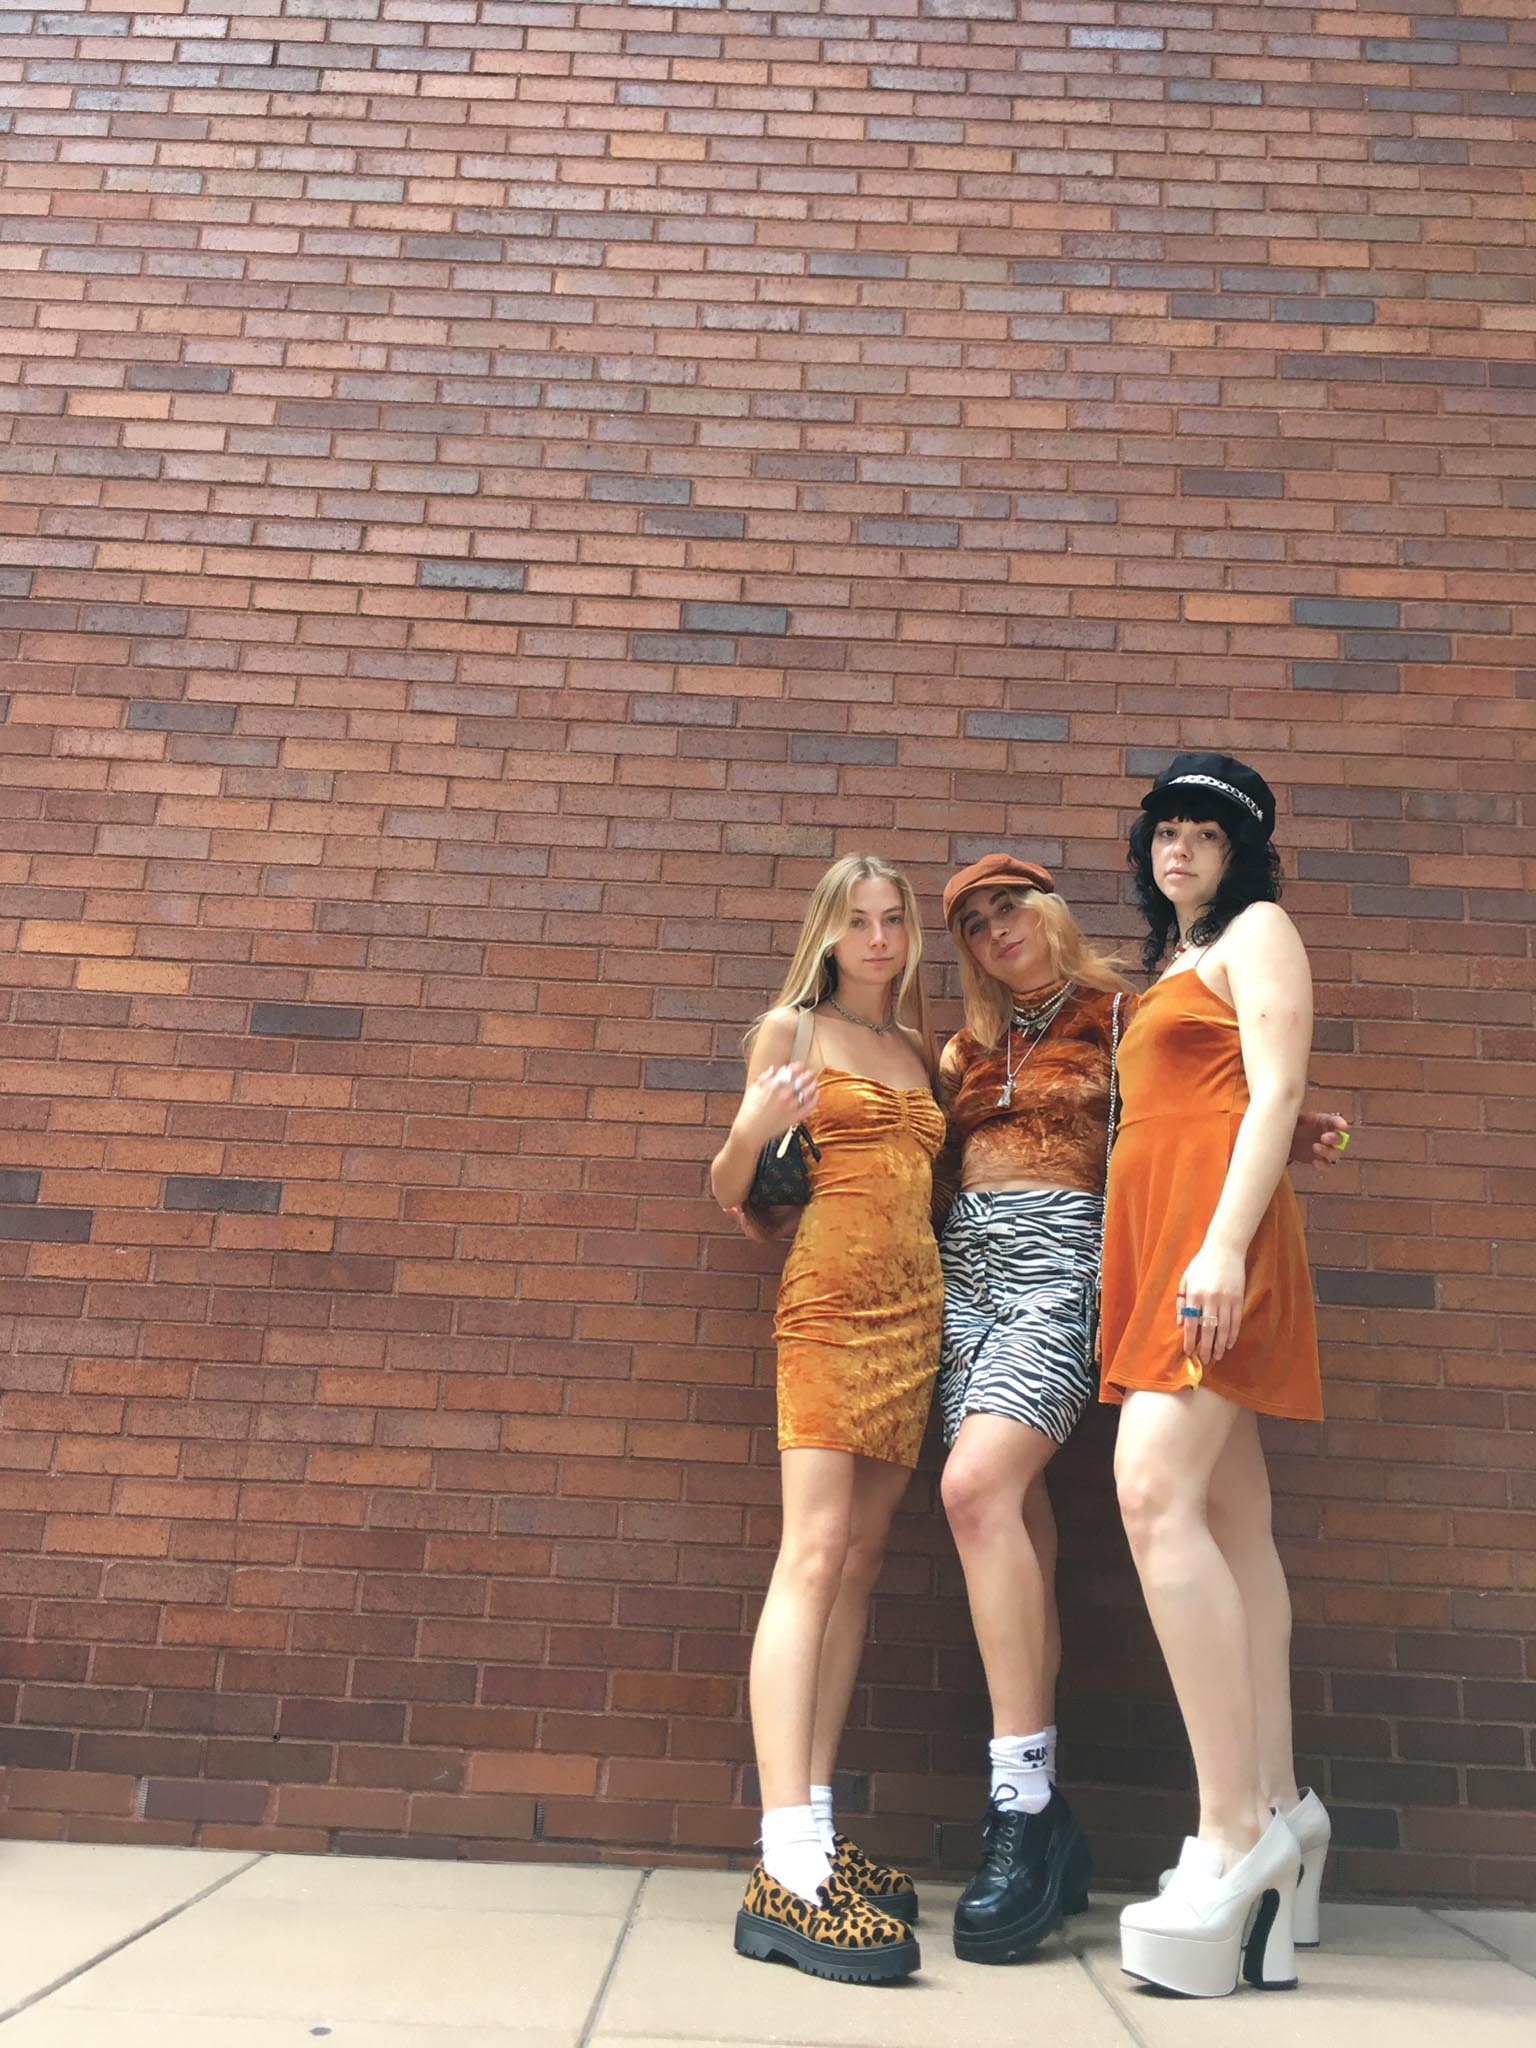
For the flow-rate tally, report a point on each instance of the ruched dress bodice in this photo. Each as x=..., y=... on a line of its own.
x=861, y=1297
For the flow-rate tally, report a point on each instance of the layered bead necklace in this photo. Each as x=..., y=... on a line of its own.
x=1033, y=1021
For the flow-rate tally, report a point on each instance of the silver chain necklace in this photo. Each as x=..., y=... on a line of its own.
x=1034, y=1024
x=878, y=1029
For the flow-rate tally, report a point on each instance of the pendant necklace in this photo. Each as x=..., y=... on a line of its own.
x=1034, y=1024
x=878, y=1029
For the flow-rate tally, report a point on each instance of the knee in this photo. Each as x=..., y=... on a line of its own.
x=1148, y=1501
x=862, y=1562
x=810, y=1565
x=974, y=1497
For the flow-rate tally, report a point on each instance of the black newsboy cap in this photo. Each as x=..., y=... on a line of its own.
x=1189, y=777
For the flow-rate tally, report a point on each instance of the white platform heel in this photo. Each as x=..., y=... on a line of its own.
x=1190, y=1938
x=1308, y=1821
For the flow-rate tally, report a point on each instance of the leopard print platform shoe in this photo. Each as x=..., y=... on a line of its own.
x=843, y=1936
x=882, y=1884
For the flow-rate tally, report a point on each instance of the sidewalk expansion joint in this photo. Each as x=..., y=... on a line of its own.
x=116, y=1947
x=594, y=2011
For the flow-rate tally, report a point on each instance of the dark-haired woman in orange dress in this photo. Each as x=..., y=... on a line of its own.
x=1207, y=1325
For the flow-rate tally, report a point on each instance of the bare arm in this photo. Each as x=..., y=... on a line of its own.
x=1271, y=988
x=770, y=1106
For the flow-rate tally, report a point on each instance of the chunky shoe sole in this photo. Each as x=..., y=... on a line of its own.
x=1203, y=1968
x=1016, y=1940
x=766, y=1942
x=900, y=1905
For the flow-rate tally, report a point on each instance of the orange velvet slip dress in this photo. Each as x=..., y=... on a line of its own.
x=1183, y=1093
x=861, y=1297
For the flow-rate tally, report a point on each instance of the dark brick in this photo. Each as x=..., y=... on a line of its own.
x=1394, y=152
x=1020, y=725
x=1367, y=901
x=46, y=1226
x=1431, y=370
x=149, y=715
x=825, y=746
x=641, y=490
x=1344, y=611
x=439, y=575
x=736, y=618
x=1352, y=867
x=1389, y=99
x=177, y=377
x=1395, y=646
x=1331, y=369
x=1399, y=50
x=1214, y=92
x=1337, y=1287
x=197, y=1799
x=709, y=1076
x=1231, y=483
x=19, y=1184
x=1327, y=312
x=1218, y=306
x=1379, y=676
x=712, y=649
x=306, y=1020
x=908, y=533
x=1512, y=376
x=1048, y=270
x=695, y=525
x=212, y=1191
x=1455, y=29
x=15, y=582
x=675, y=710
x=133, y=618
x=1363, y=1827
x=851, y=263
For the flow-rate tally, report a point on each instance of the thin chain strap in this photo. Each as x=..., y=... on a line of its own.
x=1114, y=1086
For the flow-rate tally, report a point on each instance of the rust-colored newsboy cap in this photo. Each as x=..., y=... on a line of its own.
x=995, y=871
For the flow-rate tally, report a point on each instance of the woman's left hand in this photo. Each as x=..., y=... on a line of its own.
x=1210, y=1302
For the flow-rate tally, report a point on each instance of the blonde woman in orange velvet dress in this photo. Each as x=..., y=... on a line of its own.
x=857, y=1330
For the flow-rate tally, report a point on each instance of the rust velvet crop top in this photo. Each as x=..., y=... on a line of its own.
x=1056, y=1127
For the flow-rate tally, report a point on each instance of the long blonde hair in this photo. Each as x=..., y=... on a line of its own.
x=812, y=974
x=1074, y=957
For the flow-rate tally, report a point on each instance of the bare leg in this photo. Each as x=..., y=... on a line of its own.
x=1040, y=1527
x=818, y=1490
x=988, y=1479
x=1240, y=1522
x=877, y=1493
x=1165, y=1455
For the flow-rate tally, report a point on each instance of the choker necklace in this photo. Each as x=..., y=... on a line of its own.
x=878, y=1029
x=1034, y=1023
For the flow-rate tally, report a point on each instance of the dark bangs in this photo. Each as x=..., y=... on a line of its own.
x=1252, y=874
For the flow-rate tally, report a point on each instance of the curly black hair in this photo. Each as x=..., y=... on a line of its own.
x=1252, y=875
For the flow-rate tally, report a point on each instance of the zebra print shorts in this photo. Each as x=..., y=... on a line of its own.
x=1020, y=1274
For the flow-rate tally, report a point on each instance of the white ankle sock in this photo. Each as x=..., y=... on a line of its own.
x=1019, y=1774
x=1050, y=1752
x=792, y=1851
x=821, y=1806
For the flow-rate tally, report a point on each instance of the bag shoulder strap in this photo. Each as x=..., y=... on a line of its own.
x=1114, y=1085
x=804, y=1027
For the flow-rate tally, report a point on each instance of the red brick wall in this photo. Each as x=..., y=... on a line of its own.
x=496, y=496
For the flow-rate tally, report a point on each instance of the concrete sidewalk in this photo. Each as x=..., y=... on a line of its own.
x=188, y=1948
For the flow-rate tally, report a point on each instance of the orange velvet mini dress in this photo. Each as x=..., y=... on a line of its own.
x=861, y=1299
x=1183, y=1093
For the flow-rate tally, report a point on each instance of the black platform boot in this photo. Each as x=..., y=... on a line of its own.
x=1035, y=1868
